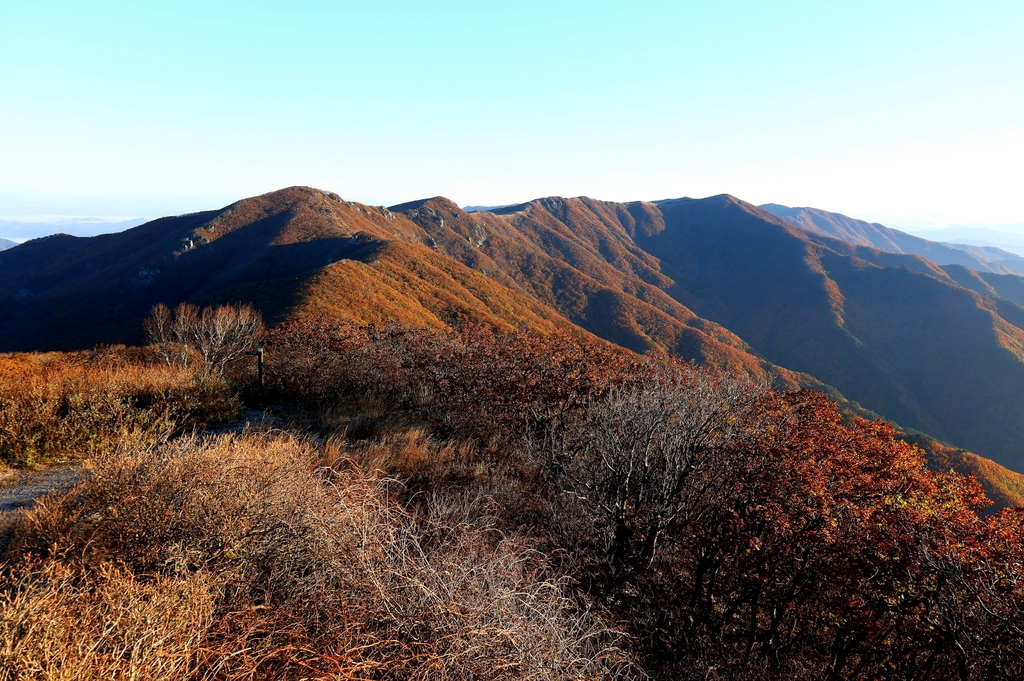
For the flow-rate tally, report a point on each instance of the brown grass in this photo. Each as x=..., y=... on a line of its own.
x=57, y=623
x=241, y=557
x=57, y=406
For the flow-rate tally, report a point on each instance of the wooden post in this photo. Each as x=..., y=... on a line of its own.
x=259, y=365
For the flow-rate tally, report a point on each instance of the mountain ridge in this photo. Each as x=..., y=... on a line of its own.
x=716, y=280
x=876, y=235
x=801, y=322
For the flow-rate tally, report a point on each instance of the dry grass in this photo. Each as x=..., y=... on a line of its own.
x=60, y=406
x=410, y=453
x=240, y=557
x=57, y=623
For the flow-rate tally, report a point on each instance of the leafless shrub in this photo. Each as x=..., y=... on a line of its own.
x=637, y=461
x=219, y=335
x=319, y=572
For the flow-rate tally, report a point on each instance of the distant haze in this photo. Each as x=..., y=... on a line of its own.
x=1009, y=237
x=21, y=230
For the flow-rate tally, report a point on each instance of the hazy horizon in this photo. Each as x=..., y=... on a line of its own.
x=908, y=110
x=22, y=227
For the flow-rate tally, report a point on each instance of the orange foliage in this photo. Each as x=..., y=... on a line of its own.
x=55, y=406
x=738, y=531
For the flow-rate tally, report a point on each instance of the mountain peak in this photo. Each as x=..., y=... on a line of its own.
x=298, y=192
x=439, y=206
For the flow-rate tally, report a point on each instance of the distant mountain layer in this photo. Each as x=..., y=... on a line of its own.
x=15, y=229
x=861, y=233
x=476, y=209
x=939, y=349
x=1007, y=237
x=6, y=243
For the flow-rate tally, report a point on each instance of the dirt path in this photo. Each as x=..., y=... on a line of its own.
x=22, y=489
x=19, y=490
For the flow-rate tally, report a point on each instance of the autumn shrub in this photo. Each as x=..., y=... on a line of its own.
x=286, y=569
x=476, y=382
x=759, y=535
x=739, y=532
x=59, y=406
x=478, y=500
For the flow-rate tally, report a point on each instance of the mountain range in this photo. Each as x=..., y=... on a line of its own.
x=7, y=243
x=884, y=322
x=861, y=233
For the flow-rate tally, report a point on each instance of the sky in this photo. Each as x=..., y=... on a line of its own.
x=904, y=112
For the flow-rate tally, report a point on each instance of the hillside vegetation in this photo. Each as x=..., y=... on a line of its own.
x=483, y=503
x=56, y=406
x=938, y=349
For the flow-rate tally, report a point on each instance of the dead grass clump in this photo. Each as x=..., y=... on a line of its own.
x=188, y=504
x=314, y=572
x=58, y=406
x=56, y=624
x=411, y=453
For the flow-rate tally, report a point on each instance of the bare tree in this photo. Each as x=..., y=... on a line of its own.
x=219, y=335
x=226, y=333
x=641, y=458
x=170, y=332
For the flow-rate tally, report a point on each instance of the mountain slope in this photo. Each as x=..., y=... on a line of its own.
x=411, y=285
x=937, y=349
x=608, y=289
x=861, y=233
x=894, y=332
x=301, y=251
x=914, y=347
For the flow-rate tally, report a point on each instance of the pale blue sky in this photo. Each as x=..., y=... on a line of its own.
x=888, y=110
